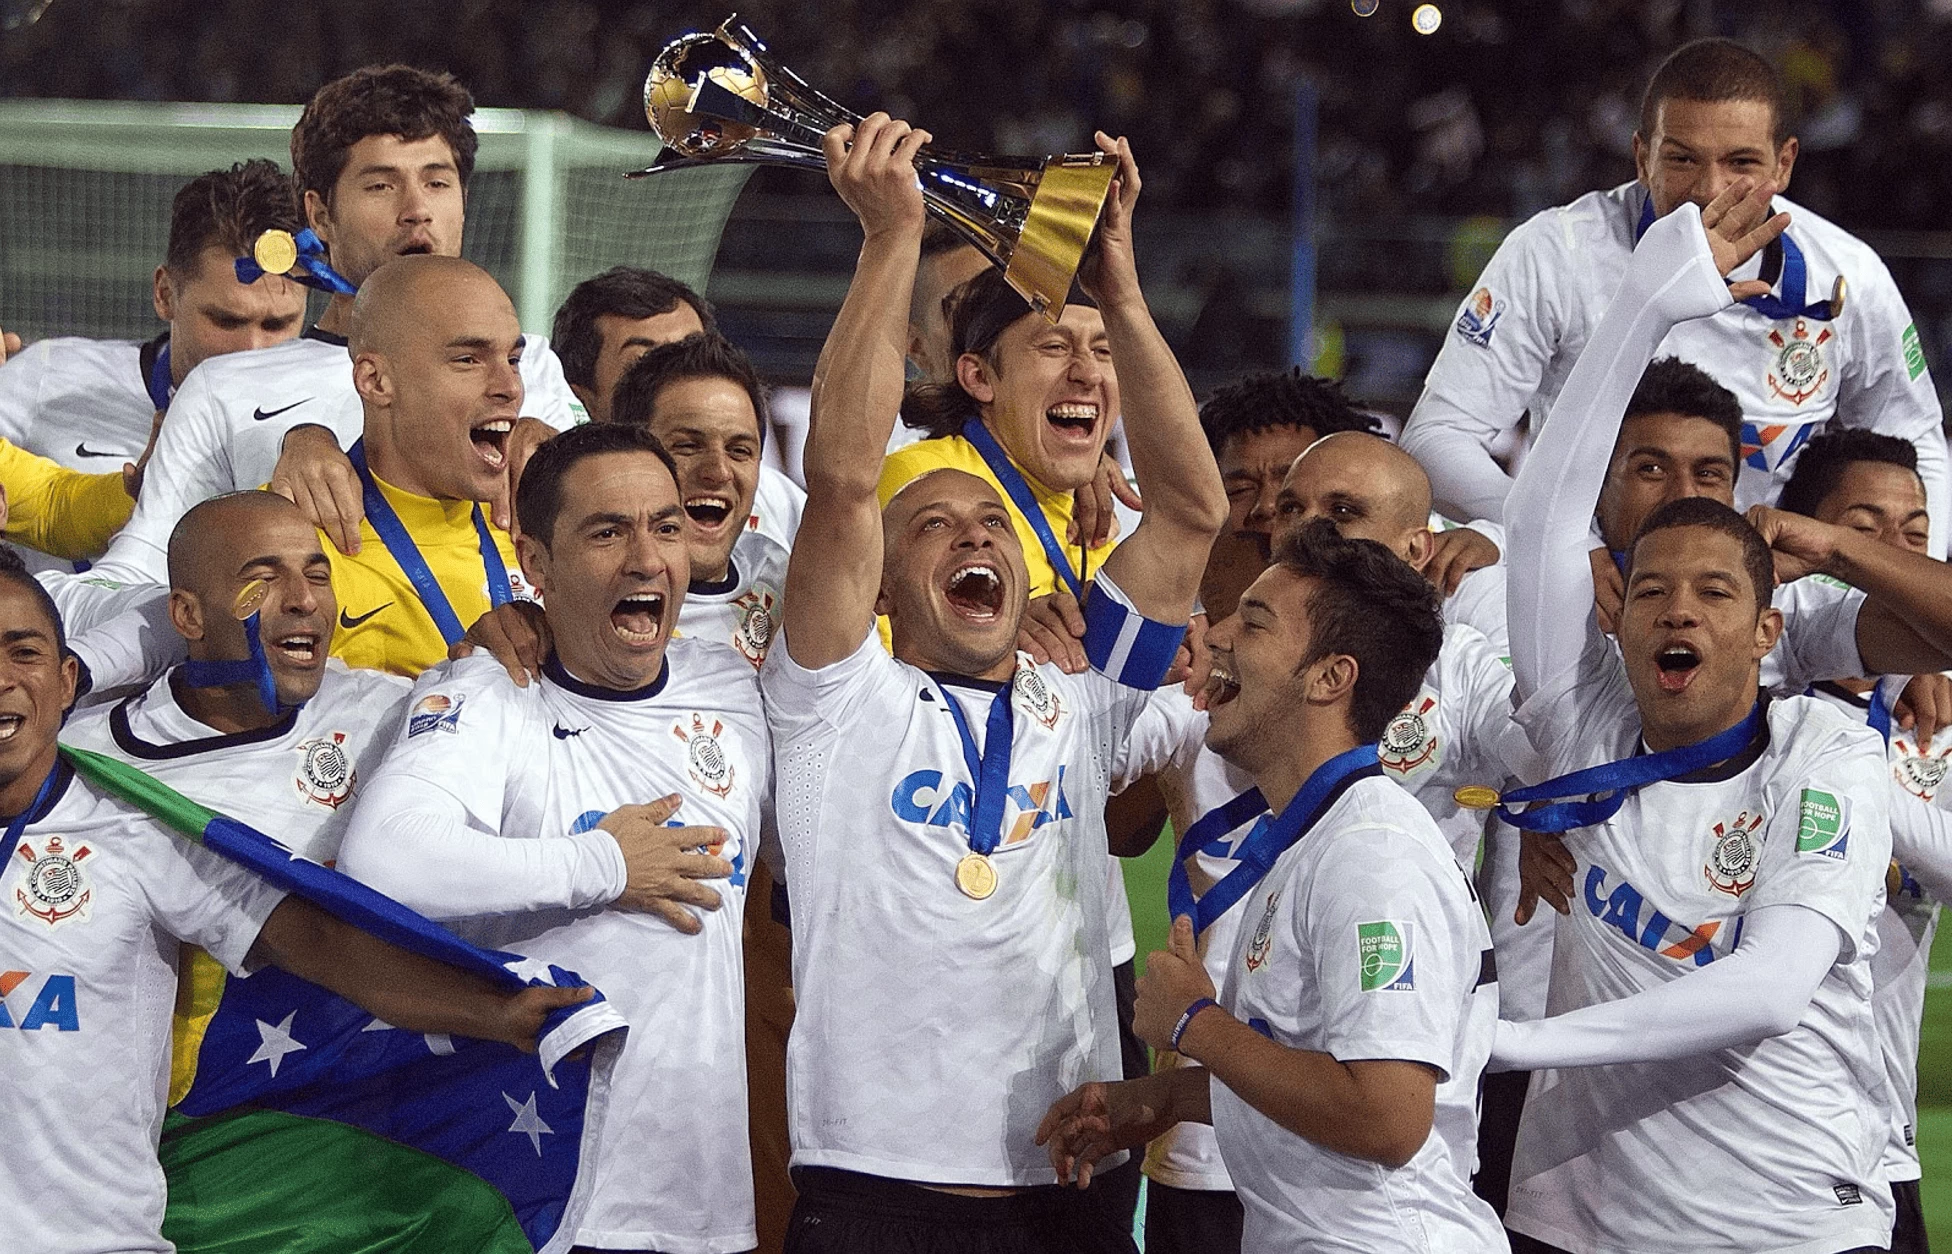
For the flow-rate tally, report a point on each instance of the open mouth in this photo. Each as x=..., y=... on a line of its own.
x=300, y=649
x=1077, y=420
x=10, y=725
x=418, y=246
x=1221, y=687
x=1676, y=666
x=490, y=439
x=639, y=619
x=708, y=510
x=976, y=593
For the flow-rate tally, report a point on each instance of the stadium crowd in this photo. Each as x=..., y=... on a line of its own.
x=461, y=794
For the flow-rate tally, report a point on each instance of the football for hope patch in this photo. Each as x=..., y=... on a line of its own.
x=1387, y=955
x=1822, y=825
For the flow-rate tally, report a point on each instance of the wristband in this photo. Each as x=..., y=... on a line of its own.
x=1186, y=1019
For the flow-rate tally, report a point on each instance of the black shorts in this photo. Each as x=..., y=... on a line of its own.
x=1191, y=1221
x=845, y=1212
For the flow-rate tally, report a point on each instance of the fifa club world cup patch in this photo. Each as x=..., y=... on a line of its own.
x=56, y=888
x=1410, y=740
x=1263, y=938
x=1387, y=956
x=1035, y=695
x=1797, y=368
x=1732, y=862
x=1822, y=827
x=1920, y=771
x=325, y=771
x=757, y=621
x=1478, y=320
x=1914, y=351
x=435, y=712
x=706, y=759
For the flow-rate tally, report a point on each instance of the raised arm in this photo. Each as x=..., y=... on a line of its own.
x=1675, y=275
x=834, y=575
x=1159, y=567
x=1905, y=626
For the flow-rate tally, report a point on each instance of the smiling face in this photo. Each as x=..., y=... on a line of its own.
x=1660, y=458
x=1691, y=634
x=395, y=198
x=710, y=429
x=37, y=685
x=1253, y=465
x=1051, y=396
x=624, y=340
x=614, y=570
x=1258, y=686
x=437, y=357
x=953, y=583
x=250, y=540
x=1367, y=487
x=1881, y=500
x=1699, y=147
x=210, y=313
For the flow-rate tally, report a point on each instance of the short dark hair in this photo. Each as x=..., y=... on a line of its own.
x=623, y=292
x=1701, y=511
x=379, y=100
x=1370, y=604
x=14, y=571
x=1672, y=386
x=708, y=356
x=979, y=312
x=228, y=209
x=1715, y=70
x=1823, y=461
x=1280, y=398
x=539, y=498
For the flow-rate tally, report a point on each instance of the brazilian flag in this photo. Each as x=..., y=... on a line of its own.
x=300, y=1123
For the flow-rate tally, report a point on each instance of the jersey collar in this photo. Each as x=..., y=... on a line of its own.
x=1723, y=771
x=147, y=359
x=717, y=587
x=135, y=746
x=64, y=774
x=560, y=676
x=324, y=337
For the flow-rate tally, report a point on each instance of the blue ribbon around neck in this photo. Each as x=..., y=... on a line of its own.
x=1271, y=837
x=311, y=268
x=159, y=384
x=255, y=671
x=1794, y=279
x=1609, y=783
x=989, y=770
x=1018, y=490
x=393, y=534
x=19, y=822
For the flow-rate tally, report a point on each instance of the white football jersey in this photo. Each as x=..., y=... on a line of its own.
x=98, y=899
x=1364, y=942
x=1819, y=639
x=1905, y=929
x=227, y=425
x=934, y=1029
x=672, y=1168
x=295, y=780
x=1770, y=1146
x=1540, y=299
x=743, y=609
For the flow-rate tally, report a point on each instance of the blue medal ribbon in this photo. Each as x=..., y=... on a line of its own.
x=311, y=268
x=1271, y=837
x=158, y=383
x=18, y=823
x=393, y=534
x=255, y=671
x=1794, y=278
x=1023, y=498
x=989, y=770
x=1609, y=783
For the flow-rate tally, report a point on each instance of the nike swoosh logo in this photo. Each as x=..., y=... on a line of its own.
x=349, y=622
x=262, y=414
x=564, y=733
x=82, y=450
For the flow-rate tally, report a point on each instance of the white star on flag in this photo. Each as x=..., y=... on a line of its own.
x=526, y=969
x=527, y=1121
x=274, y=1043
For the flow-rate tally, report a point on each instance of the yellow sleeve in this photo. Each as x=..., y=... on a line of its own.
x=61, y=512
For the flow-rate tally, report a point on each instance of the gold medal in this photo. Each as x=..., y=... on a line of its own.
x=976, y=876
x=276, y=252
x=250, y=599
x=1475, y=797
x=1894, y=879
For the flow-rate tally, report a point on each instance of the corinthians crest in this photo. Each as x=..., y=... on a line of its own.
x=1410, y=740
x=325, y=771
x=705, y=757
x=1920, y=771
x=56, y=889
x=757, y=619
x=1799, y=371
x=1732, y=862
x=1034, y=694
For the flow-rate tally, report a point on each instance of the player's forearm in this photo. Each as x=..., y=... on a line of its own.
x=410, y=992
x=1466, y=482
x=858, y=381
x=1671, y=278
x=1759, y=991
x=1910, y=588
x=1337, y=1105
x=414, y=844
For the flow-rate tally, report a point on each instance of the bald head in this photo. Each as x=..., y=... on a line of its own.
x=212, y=540
x=395, y=297
x=1369, y=488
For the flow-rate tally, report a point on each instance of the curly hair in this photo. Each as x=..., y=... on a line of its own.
x=1280, y=398
x=379, y=100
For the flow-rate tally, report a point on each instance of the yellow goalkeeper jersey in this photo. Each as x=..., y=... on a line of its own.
x=63, y=513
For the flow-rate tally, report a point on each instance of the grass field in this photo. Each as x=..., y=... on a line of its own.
x=1145, y=881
